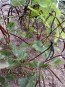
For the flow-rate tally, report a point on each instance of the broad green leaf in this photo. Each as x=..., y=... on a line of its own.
x=33, y=64
x=14, y=48
x=9, y=76
x=31, y=29
x=20, y=52
x=37, y=45
x=43, y=3
x=23, y=45
x=23, y=82
x=22, y=57
x=35, y=1
x=2, y=80
x=58, y=13
x=5, y=85
x=56, y=35
x=11, y=27
x=42, y=65
x=63, y=35
x=23, y=34
x=5, y=52
x=31, y=81
x=11, y=61
x=31, y=84
x=57, y=62
x=34, y=12
x=17, y=2
x=29, y=34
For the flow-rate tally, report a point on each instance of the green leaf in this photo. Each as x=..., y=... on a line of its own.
x=63, y=35
x=37, y=45
x=31, y=81
x=17, y=2
x=35, y=1
x=43, y=3
x=33, y=64
x=56, y=9
x=56, y=35
x=29, y=34
x=11, y=27
x=20, y=52
x=55, y=1
x=5, y=85
x=13, y=63
x=23, y=82
x=2, y=80
x=34, y=12
x=23, y=34
x=9, y=76
x=24, y=45
x=22, y=57
x=5, y=52
x=57, y=61
x=42, y=65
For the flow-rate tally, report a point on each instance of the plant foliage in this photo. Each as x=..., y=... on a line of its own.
x=29, y=40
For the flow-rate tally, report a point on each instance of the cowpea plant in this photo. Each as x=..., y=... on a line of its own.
x=36, y=28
